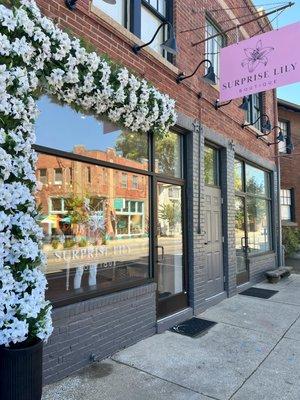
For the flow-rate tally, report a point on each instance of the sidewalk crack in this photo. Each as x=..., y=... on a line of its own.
x=272, y=349
x=164, y=379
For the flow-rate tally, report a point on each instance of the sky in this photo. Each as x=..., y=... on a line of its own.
x=291, y=15
x=55, y=119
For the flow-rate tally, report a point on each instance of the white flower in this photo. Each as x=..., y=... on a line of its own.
x=83, y=79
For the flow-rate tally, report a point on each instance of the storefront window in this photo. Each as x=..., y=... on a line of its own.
x=94, y=238
x=94, y=202
x=211, y=166
x=257, y=211
x=168, y=155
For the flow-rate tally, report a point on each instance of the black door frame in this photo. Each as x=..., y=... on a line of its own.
x=179, y=301
x=244, y=277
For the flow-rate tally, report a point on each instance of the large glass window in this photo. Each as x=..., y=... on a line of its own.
x=94, y=200
x=211, y=166
x=253, y=184
x=143, y=24
x=95, y=236
x=213, y=46
x=116, y=11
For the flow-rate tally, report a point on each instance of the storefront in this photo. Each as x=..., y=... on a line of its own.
x=113, y=208
x=141, y=230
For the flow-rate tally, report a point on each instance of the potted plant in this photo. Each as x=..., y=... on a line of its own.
x=25, y=322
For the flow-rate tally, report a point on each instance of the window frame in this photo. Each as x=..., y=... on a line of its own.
x=267, y=197
x=288, y=132
x=55, y=182
x=153, y=177
x=210, y=20
x=251, y=107
x=291, y=205
x=133, y=10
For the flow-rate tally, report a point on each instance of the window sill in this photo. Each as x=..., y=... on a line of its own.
x=126, y=35
x=289, y=223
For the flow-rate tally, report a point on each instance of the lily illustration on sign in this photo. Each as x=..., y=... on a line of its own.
x=256, y=56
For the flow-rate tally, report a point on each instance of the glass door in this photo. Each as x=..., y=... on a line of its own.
x=241, y=241
x=170, y=269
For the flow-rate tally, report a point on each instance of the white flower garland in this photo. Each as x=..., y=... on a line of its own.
x=35, y=53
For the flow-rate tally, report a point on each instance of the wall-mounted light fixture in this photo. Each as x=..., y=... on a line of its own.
x=265, y=123
x=170, y=45
x=268, y=131
x=290, y=147
x=71, y=4
x=280, y=138
x=210, y=76
x=244, y=106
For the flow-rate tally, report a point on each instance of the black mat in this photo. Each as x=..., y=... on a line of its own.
x=258, y=292
x=193, y=327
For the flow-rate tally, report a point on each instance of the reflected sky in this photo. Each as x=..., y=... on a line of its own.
x=61, y=127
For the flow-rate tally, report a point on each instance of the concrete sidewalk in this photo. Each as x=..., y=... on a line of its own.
x=253, y=353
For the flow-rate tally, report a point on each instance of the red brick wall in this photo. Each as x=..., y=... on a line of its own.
x=187, y=14
x=290, y=165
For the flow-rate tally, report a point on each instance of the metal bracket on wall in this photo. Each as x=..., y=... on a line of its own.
x=231, y=145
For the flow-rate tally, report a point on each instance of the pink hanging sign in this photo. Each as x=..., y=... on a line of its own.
x=261, y=63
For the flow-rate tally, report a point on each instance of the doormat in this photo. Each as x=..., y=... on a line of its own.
x=193, y=327
x=261, y=293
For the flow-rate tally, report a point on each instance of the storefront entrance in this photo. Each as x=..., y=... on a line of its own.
x=169, y=244
x=214, y=276
x=214, y=271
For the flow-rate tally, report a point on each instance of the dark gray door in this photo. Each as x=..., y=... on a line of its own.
x=214, y=274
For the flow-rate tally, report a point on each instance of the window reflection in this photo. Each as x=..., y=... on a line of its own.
x=256, y=180
x=258, y=225
x=238, y=175
x=168, y=155
x=60, y=127
x=115, y=11
x=96, y=230
x=170, y=240
x=210, y=166
x=149, y=25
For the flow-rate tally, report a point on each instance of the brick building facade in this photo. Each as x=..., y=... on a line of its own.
x=212, y=221
x=289, y=121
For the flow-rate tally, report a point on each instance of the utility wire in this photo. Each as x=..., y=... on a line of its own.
x=244, y=23
x=227, y=20
x=241, y=7
x=268, y=23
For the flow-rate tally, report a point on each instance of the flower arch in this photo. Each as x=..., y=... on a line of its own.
x=36, y=56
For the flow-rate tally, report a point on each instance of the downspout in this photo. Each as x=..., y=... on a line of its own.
x=280, y=252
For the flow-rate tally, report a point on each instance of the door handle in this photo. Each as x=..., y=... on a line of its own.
x=162, y=251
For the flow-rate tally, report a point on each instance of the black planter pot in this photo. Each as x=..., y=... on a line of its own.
x=21, y=372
